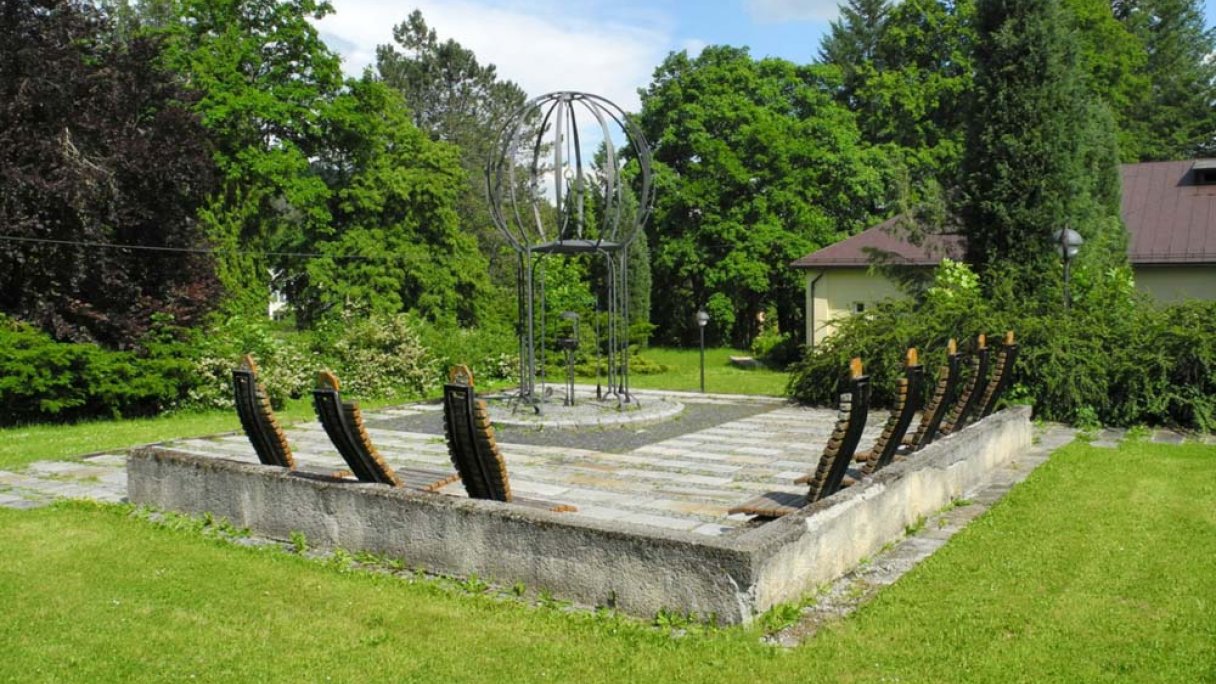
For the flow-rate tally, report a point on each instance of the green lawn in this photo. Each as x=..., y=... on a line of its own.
x=20, y=446
x=684, y=373
x=1100, y=567
x=25, y=444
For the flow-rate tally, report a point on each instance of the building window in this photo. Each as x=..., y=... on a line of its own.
x=859, y=307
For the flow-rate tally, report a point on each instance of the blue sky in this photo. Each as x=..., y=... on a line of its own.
x=602, y=46
x=607, y=47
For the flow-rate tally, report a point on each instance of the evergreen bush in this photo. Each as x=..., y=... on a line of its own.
x=1113, y=354
x=43, y=380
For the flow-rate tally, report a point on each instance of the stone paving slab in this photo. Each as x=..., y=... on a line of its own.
x=1167, y=437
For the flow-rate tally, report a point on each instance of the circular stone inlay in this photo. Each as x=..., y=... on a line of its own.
x=586, y=412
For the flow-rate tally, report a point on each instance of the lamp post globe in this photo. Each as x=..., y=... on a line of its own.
x=1068, y=243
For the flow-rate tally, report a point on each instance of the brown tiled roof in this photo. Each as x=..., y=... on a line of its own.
x=1170, y=220
x=882, y=243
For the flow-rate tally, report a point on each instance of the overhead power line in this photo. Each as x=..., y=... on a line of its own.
x=196, y=250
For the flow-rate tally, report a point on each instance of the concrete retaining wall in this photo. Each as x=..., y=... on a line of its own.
x=637, y=569
x=797, y=553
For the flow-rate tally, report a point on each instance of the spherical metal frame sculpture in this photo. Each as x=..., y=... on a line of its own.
x=539, y=151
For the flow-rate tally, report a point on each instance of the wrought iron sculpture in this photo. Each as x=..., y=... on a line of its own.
x=549, y=197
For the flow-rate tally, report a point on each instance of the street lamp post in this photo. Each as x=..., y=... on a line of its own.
x=569, y=344
x=702, y=319
x=1069, y=243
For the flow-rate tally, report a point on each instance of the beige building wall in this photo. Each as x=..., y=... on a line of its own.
x=835, y=293
x=1177, y=283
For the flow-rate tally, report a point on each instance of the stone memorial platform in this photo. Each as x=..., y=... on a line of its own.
x=651, y=530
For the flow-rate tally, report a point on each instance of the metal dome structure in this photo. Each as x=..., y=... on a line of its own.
x=549, y=198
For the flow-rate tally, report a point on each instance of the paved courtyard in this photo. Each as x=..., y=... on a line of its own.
x=683, y=473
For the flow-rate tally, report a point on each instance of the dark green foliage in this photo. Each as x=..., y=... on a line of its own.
x=640, y=283
x=852, y=43
x=96, y=146
x=45, y=380
x=916, y=92
x=1114, y=355
x=490, y=350
x=755, y=165
x=1040, y=154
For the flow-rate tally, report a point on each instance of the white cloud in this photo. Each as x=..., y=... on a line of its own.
x=777, y=11
x=535, y=45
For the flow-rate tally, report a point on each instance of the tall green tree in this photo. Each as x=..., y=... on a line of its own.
x=266, y=79
x=393, y=232
x=1178, y=120
x=915, y=96
x=852, y=43
x=1113, y=60
x=455, y=98
x=755, y=165
x=97, y=145
x=1040, y=151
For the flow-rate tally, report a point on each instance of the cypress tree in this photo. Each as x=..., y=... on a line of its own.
x=1040, y=152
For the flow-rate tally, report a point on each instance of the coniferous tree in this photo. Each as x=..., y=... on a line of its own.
x=1178, y=120
x=455, y=98
x=852, y=43
x=1040, y=152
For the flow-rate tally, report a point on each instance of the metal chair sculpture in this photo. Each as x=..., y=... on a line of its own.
x=910, y=386
x=1001, y=375
x=565, y=205
x=833, y=463
x=969, y=399
x=343, y=422
x=257, y=417
x=473, y=447
x=943, y=397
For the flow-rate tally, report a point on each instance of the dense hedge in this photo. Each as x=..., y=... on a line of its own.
x=1114, y=356
x=394, y=357
x=41, y=379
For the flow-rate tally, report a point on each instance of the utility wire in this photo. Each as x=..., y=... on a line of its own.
x=196, y=250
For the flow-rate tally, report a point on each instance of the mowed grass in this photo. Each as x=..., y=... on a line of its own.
x=1100, y=567
x=684, y=373
x=22, y=445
